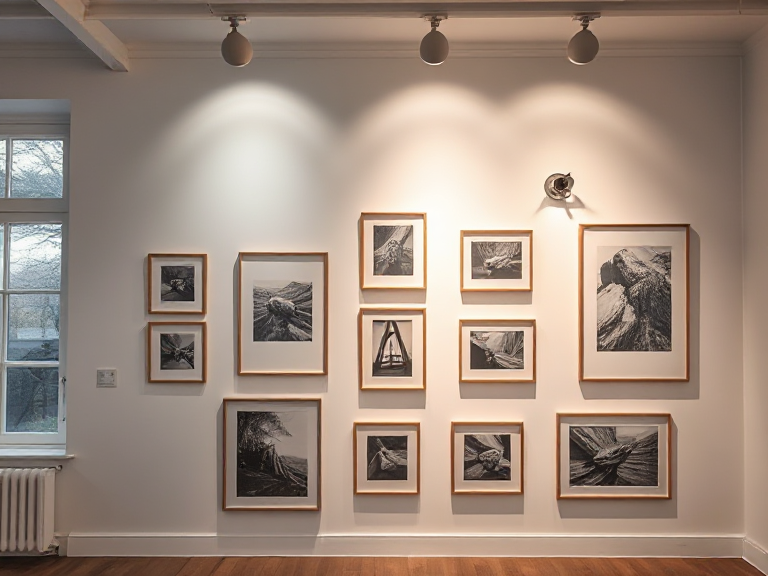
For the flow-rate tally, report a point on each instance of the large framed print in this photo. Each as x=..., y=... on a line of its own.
x=634, y=302
x=497, y=351
x=487, y=457
x=177, y=283
x=393, y=251
x=271, y=454
x=282, y=313
x=614, y=456
x=392, y=348
x=176, y=352
x=386, y=458
x=496, y=260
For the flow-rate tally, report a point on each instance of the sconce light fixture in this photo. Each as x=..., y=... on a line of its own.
x=236, y=49
x=558, y=186
x=584, y=46
x=434, y=46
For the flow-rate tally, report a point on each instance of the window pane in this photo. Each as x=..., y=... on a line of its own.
x=32, y=396
x=35, y=259
x=2, y=252
x=33, y=327
x=37, y=169
x=3, y=147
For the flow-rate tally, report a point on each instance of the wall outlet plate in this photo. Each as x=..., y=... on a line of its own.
x=106, y=377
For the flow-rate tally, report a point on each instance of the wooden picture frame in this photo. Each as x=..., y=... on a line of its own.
x=386, y=457
x=261, y=473
x=487, y=458
x=496, y=260
x=497, y=351
x=392, y=348
x=177, y=283
x=282, y=313
x=176, y=352
x=634, y=452
x=393, y=251
x=634, y=302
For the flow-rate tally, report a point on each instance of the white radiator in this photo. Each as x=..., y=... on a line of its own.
x=26, y=509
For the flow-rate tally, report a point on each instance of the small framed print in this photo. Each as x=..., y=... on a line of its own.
x=282, y=313
x=271, y=454
x=393, y=251
x=176, y=352
x=392, y=348
x=487, y=457
x=634, y=303
x=614, y=456
x=496, y=260
x=497, y=351
x=176, y=283
x=386, y=458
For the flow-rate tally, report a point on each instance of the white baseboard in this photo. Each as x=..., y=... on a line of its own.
x=755, y=555
x=81, y=544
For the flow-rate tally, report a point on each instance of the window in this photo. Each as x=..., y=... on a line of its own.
x=33, y=226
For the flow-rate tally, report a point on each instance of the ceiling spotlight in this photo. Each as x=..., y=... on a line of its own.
x=236, y=49
x=434, y=46
x=583, y=47
x=558, y=186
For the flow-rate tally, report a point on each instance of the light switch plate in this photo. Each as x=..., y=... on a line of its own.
x=106, y=377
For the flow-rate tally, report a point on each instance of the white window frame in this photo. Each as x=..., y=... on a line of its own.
x=31, y=211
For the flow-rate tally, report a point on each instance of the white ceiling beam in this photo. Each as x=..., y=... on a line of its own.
x=95, y=35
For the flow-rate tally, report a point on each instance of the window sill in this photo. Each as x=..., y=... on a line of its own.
x=44, y=457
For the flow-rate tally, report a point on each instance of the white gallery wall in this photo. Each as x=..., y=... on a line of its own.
x=284, y=155
x=755, y=305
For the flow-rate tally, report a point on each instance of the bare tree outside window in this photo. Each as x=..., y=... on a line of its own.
x=37, y=169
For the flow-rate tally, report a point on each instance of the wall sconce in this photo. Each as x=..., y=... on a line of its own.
x=236, y=49
x=584, y=46
x=558, y=186
x=434, y=46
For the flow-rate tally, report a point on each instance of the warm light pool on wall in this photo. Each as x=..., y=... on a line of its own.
x=584, y=46
x=236, y=49
x=434, y=46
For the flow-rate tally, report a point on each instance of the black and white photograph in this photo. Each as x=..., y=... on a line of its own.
x=497, y=260
x=634, y=303
x=634, y=299
x=393, y=250
x=392, y=348
x=614, y=455
x=176, y=283
x=177, y=351
x=271, y=454
x=282, y=311
x=487, y=457
x=497, y=350
x=387, y=458
x=392, y=345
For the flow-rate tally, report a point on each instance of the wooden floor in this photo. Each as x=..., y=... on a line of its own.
x=373, y=567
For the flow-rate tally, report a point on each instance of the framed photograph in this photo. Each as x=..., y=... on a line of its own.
x=393, y=251
x=282, y=313
x=176, y=283
x=271, y=454
x=386, y=458
x=487, y=457
x=497, y=351
x=614, y=456
x=496, y=260
x=392, y=348
x=634, y=303
x=176, y=352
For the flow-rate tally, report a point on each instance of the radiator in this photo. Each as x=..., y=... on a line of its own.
x=26, y=509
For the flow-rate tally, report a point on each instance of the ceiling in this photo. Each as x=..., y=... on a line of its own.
x=117, y=30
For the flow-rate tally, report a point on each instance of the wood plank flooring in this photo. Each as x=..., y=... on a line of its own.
x=324, y=566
